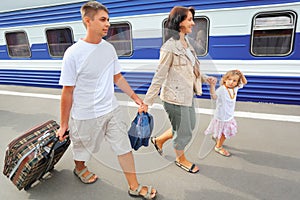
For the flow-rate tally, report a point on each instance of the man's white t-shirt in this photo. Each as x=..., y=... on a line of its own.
x=91, y=69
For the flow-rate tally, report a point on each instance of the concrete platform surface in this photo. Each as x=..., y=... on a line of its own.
x=265, y=161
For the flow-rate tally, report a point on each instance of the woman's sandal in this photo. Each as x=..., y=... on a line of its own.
x=85, y=179
x=136, y=193
x=222, y=151
x=191, y=169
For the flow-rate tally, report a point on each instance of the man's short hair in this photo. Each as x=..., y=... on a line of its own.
x=90, y=8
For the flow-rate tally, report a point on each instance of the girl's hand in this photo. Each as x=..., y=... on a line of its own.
x=243, y=79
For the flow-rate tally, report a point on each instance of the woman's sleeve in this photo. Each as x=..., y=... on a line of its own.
x=165, y=62
x=202, y=75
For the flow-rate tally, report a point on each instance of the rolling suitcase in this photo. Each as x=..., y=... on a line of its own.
x=33, y=154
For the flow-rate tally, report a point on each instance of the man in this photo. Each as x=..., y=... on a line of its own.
x=90, y=69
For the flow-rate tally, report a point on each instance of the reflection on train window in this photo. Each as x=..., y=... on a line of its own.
x=119, y=35
x=273, y=34
x=17, y=44
x=198, y=38
x=59, y=40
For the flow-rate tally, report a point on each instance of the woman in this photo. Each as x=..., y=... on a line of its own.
x=175, y=77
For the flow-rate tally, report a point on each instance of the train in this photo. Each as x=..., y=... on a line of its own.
x=259, y=37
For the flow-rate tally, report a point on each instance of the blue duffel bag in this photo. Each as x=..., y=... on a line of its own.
x=140, y=130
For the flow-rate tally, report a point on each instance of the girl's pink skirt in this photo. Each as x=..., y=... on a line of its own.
x=217, y=127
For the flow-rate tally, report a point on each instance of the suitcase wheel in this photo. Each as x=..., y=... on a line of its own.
x=27, y=187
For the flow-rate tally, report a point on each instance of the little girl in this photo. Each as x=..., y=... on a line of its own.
x=223, y=124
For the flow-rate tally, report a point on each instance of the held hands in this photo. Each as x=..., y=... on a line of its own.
x=211, y=80
x=142, y=107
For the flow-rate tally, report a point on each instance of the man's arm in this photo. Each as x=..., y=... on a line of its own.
x=121, y=82
x=65, y=109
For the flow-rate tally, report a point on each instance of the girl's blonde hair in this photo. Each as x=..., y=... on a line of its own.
x=242, y=78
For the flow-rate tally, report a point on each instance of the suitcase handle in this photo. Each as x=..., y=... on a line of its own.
x=56, y=139
x=50, y=154
x=42, y=143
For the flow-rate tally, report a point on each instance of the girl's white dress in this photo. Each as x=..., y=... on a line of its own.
x=223, y=120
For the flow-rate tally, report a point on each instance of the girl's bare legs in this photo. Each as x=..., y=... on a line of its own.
x=219, y=147
x=220, y=141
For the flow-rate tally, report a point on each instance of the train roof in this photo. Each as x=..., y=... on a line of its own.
x=24, y=12
x=143, y=7
x=25, y=4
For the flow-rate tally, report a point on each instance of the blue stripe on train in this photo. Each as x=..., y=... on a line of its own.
x=269, y=89
x=220, y=48
x=70, y=12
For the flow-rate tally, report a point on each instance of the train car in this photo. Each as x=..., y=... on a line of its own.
x=259, y=37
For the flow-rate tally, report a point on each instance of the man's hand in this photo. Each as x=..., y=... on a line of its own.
x=61, y=134
x=143, y=108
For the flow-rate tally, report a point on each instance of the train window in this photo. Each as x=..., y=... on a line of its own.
x=17, y=44
x=59, y=40
x=119, y=35
x=198, y=38
x=273, y=34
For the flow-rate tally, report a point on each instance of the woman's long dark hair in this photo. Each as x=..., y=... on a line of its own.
x=176, y=16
